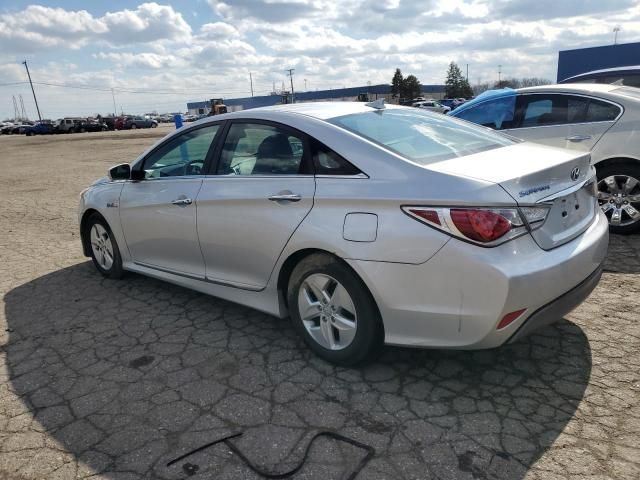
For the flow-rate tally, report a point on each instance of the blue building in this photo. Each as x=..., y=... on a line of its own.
x=582, y=60
x=338, y=94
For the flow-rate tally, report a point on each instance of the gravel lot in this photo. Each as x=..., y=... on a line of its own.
x=112, y=379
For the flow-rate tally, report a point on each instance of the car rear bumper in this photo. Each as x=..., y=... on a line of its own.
x=457, y=298
x=558, y=307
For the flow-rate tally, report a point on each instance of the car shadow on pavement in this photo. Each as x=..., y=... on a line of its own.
x=127, y=375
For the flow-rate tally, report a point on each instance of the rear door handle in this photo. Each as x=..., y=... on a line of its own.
x=285, y=197
x=182, y=201
x=578, y=138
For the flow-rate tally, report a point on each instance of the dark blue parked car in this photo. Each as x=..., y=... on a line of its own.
x=40, y=128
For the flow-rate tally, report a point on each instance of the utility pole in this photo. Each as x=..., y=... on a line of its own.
x=290, y=70
x=32, y=90
x=113, y=97
x=616, y=29
x=251, y=82
x=499, y=72
x=305, y=84
x=24, y=113
x=16, y=114
x=467, y=73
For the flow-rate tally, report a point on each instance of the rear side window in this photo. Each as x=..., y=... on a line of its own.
x=328, y=162
x=542, y=110
x=602, y=111
x=497, y=114
x=421, y=136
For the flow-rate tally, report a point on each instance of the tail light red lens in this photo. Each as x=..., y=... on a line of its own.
x=480, y=225
x=485, y=226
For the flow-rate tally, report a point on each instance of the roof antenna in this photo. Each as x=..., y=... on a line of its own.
x=377, y=104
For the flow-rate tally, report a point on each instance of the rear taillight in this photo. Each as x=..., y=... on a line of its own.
x=483, y=226
x=480, y=225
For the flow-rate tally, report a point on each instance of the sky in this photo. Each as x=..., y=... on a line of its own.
x=159, y=56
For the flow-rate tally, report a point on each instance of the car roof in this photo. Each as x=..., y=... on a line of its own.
x=319, y=110
x=572, y=87
x=603, y=72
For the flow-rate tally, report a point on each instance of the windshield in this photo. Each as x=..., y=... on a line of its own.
x=420, y=136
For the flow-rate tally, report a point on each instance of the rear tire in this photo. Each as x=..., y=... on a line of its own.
x=103, y=247
x=341, y=321
x=619, y=183
x=133, y=126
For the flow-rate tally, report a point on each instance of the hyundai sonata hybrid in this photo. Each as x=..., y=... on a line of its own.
x=366, y=224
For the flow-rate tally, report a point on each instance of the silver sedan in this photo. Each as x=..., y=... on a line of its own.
x=365, y=224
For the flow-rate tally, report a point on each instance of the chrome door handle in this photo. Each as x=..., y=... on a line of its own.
x=285, y=197
x=182, y=201
x=578, y=138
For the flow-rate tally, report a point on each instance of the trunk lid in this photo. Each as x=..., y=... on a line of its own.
x=537, y=175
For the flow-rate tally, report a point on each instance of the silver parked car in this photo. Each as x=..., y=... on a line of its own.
x=432, y=106
x=597, y=118
x=363, y=223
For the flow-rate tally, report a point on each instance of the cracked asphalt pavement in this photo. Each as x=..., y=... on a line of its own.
x=108, y=379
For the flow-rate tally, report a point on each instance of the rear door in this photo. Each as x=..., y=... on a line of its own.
x=561, y=120
x=258, y=194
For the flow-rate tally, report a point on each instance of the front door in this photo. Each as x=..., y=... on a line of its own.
x=260, y=192
x=158, y=214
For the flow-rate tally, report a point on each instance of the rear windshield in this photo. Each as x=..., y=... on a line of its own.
x=420, y=136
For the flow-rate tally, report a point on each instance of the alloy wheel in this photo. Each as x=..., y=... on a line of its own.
x=619, y=198
x=101, y=246
x=327, y=311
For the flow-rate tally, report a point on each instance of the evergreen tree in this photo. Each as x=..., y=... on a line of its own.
x=396, y=83
x=411, y=87
x=456, y=85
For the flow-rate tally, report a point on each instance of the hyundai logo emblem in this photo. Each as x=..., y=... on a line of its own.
x=575, y=173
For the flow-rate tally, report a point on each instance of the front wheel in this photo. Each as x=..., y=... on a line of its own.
x=619, y=196
x=104, y=248
x=133, y=126
x=334, y=312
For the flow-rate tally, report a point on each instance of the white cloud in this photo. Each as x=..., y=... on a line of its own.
x=38, y=27
x=330, y=43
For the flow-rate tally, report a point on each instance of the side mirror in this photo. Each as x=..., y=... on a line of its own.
x=120, y=172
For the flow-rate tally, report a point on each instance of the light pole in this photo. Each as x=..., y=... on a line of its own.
x=113, y=96
x=499, y=73
x=616, y=29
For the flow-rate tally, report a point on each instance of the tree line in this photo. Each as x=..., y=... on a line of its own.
x=456, y=84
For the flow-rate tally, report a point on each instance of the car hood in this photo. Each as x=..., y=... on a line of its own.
x=100, y=181
x=529, y=172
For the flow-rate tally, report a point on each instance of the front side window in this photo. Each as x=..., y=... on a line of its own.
x=259, y=149
x=543, y=110
x=419, y=136
x=497, y=114
x=183, y=155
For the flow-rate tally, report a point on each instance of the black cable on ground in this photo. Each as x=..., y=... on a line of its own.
x=336, y=436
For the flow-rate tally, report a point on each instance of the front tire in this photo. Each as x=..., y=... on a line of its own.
x=103, y=247
x=334, y=312
x=619, y=196
x=133, y=126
